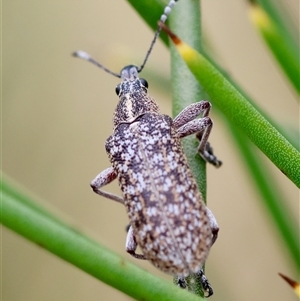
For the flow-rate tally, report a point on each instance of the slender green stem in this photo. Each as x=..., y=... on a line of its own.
x=279, y=41
x=289, y=30
x=68, y=243
x=10, y=188
x=186, y=90
x=270, y=196
x=242, y=114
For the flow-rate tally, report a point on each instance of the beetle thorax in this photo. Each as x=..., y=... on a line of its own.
x=133, y=98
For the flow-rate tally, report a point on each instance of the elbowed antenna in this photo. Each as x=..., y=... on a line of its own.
x=162, y=19
x=85, y=56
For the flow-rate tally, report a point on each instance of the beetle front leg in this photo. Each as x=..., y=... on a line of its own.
x=191, y=112
x=186, y=125
x=202, y=127
x=131, y=245
x=102, y=179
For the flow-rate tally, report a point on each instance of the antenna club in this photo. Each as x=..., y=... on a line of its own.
x=82, y=54
x=167, y=10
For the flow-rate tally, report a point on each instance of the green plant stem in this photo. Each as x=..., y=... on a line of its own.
x=279, y=42
x=242, y=114
x=185, y=91
x=10, y=188
x=288, y=30
x=72, y=246
x=270, y=196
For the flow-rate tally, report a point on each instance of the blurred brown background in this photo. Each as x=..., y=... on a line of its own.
x=57, y=113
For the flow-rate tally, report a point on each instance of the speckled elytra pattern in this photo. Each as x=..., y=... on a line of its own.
x=164, y=205
x=162, y=199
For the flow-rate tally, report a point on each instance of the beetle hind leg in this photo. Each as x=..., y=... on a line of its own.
x=208, y=291
x=200, y=277
x=181, y=282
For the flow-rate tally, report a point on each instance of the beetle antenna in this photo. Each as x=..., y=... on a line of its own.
x=162, y=19
x=85, y=56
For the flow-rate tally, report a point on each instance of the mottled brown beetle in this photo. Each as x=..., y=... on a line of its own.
x=168, y=218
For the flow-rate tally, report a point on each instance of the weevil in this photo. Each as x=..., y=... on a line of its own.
x=168, y=218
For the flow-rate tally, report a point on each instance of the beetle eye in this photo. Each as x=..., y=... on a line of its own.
x=144, y=82
x=118, y=88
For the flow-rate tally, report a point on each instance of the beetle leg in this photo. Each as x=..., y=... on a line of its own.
x=202, y=127
x=205, y=284
x=208, y=150
x=187, y=124
x=213, y=225
x=191, y=112
x=181, y=282
x=102, y=179
x=200, y=276
x=131, y=245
